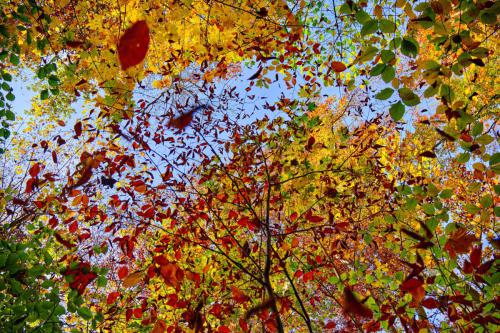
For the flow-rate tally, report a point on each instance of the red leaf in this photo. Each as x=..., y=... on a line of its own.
x=138, y=312
x=73, y=227
x=243, y=325
x=78, y=129
x=314, y=218
x=353, y=306
x=133, y=45
x=238, y=295
x=35, y=170
x=415, y=287
x=467, y=267
x=224, y=329
x=411, y=284
x=112, y=297
x=459, y=241
x=475, y=256
x=64, y=242
x=330, y=325
x=430, y=303
x=172, y=274
x=160, y=327
x=338, y=67
x=122, y=272
x=29, y=185
x=184, y=119
x=128, y=314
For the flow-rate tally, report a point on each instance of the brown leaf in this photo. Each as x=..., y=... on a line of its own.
x=256, y=75
x=428, y=154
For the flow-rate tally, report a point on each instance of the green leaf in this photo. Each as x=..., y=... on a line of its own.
x=10, y=115
x=369, y=27
x=388, y=74
x=44, y=94
x=362, y=16
x=463, y=158
x=471, y=208
x=446, y=194
x=486, y=201
x=397, y=111
x=387, y=26
x=495, y=163
x=53, y=81
x=6, y=76
x=367, y=54
x=387, y=56
x=408, y=97
x=489, y=18
x=10, y=96
x=102, y=281
x=377, y=69
x=485, y=139
x=14, y=59
x=41, y=73
x=477, y=129
x=85, y=313
x=385, y=94
x=409, y=47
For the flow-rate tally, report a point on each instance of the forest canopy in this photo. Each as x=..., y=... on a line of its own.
x=249, y=166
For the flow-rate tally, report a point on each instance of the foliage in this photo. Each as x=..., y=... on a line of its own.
x=223, y=166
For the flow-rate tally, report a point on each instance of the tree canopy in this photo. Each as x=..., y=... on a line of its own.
x=249, y=166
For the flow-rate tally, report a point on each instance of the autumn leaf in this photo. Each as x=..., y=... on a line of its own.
x=133, y=45
x=122, y=272
x=460, y=241
x=238, y=295
x=132, y=279
x=112, y=297
x=338, y=66
x=430, y=303
x=415, y=287
x=184, y=119
x=475, y=256
x=353, y=306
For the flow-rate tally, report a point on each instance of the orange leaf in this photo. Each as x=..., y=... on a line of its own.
x=160, y=327
x=132, y=279
x=338, y=67
x=133, y=45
